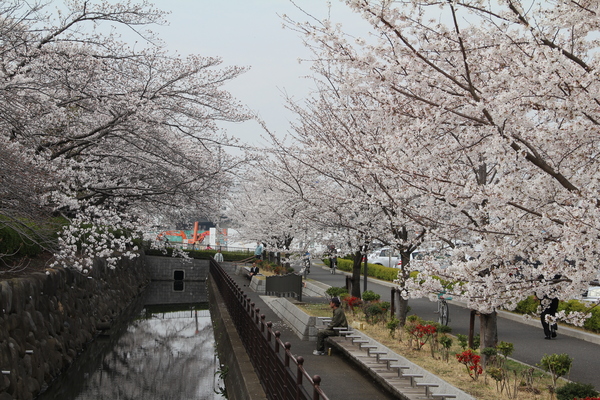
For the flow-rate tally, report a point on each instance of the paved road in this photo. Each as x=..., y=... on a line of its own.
x=529, y=343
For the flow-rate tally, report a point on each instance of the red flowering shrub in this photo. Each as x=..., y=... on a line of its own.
x=421, y=334
x=471, y=362
x=352, y=302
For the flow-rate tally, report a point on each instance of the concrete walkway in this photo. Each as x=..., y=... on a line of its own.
x=351, y=372
x=341, y=380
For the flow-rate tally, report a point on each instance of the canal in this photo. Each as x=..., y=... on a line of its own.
x=162, y=349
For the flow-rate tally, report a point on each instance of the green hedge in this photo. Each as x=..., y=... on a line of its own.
x=374, y=270
x=530, y=306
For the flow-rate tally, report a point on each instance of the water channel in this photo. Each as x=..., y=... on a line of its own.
x=163, y=349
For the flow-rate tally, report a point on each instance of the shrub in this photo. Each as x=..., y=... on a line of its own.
x=574, y=390
x=527, y=306
x=345, y=264
x=557, y=364
x=505, y=348
x=446, y=343
x=374, y=312
x=463, y=341
x=421, y=333
x=369, y=295
x=593, y=323
x=392, y=325
x=489, y=351
x=443, y=328
x=337, y=292
x=352, y=302
x=471, y=361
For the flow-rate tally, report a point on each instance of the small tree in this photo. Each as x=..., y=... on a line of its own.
x=557, y=364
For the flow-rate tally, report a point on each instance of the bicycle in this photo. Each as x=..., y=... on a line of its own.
x=442, y=309
x=332, y=265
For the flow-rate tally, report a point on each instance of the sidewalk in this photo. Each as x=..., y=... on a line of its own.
x=340, y=380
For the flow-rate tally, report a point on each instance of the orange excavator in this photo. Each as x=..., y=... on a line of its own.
x=184, y=236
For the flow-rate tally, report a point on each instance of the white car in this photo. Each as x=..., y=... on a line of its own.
x=384, y=256
x=592, y=294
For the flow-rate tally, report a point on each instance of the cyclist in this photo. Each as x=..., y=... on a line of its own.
x=332, y=259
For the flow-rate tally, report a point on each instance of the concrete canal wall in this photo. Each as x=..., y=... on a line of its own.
x=241, y=379
x=46, y=320
x=178, y=269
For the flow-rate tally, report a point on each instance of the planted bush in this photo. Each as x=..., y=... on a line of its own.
x=471, y=360
x=369, y=295
x=337, y=292
x=557, y=364
x=574, y=390
x=527, y=306
x=375, y=312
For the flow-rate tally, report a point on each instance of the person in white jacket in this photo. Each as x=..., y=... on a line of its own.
x=218, y=256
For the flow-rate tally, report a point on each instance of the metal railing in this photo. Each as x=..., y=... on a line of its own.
x=281, y=374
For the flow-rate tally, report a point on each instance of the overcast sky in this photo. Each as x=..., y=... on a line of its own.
x=250, y=33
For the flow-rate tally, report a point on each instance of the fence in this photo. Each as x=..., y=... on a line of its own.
x=271, y=357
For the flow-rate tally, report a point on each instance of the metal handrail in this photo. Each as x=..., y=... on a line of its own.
x=264, y=346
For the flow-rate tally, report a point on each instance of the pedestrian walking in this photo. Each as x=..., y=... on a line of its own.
x=218, y=256
x=550, y=309
x=258, y=251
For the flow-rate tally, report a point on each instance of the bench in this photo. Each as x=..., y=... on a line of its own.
x=377, y=354
x=368, y=348
x=399, y=368
x=387, y=360
x=412, y=378
x=427, y=386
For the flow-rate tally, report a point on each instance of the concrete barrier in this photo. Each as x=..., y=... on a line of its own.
x=302, y=324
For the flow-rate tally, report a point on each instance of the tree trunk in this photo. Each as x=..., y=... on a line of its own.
x=356, y=268
x=401, y=308
x=403, y=274
x=488, y=333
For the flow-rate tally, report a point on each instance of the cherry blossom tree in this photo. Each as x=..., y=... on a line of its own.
x=489, y=115
x=130, y=132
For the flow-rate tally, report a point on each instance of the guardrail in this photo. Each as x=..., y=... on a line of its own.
x=271, y=357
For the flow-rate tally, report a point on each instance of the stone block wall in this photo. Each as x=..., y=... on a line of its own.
x=46, y=320
x=164, y=268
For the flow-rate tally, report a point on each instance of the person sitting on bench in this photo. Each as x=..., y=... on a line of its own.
x=338, y=320
x=253, y=271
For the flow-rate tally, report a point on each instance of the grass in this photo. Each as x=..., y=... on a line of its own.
x=522, y=381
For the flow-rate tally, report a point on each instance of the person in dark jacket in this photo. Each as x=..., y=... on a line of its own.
x=551, y=309
x=338, y=320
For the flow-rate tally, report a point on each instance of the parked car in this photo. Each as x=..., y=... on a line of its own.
x=417, y=257
x=384, y=256
x=592, y=294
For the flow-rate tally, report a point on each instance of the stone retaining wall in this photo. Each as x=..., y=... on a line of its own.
x=46, y=320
